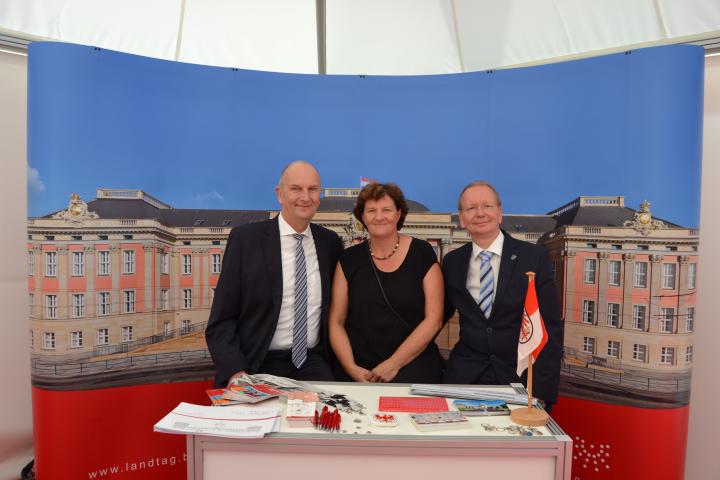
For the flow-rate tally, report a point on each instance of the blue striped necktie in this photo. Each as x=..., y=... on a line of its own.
x=299, y=344
x=486, y=283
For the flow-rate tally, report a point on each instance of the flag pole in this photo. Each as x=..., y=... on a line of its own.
x=529, y=382
x=531, y=359
x=530, y=417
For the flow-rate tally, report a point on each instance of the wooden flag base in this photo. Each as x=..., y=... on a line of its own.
x=529, y=417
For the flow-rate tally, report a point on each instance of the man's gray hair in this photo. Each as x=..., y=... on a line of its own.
x=479, y=183
x=293, y=163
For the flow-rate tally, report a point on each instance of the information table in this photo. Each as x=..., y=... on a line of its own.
x=363, y=451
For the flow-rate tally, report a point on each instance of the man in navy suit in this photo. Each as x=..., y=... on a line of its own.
x=485, y=281
x=270, y=308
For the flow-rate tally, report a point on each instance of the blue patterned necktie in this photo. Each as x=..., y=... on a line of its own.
x=486, y=283
x=299, y=344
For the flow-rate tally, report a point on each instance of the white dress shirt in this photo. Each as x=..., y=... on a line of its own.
x=282, y=340
x=473, y=276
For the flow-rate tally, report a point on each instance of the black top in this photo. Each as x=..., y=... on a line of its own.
x=375, y=332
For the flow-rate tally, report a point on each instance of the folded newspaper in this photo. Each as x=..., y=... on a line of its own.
x=470, y=393
x=261, y=386
x=241, y=421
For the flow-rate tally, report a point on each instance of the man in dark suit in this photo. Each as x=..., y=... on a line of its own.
x=270, y=308
x=485, y=281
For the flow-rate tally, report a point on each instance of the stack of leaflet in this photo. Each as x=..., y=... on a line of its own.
x=238, y=421
x=470, y=393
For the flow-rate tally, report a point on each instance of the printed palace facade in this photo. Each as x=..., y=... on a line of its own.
x=127, y=271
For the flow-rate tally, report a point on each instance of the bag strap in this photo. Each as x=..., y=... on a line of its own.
x=382, y=290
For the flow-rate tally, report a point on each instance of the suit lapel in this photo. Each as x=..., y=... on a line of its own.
x=273, y=259
x=321, y=253
x=508, y=260
x=462, y=274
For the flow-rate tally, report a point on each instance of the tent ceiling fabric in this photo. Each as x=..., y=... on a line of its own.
x=375, y=37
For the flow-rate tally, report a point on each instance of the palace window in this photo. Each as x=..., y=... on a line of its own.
x=76, y=339
x=165, y=299
x=639, y=352
x=103, y=303
x=690, y=320
x=185, y=328
x=588, y=313
x=667, y=318
x=589, y=345
x=216, y=263
x=78, y=264
x=589, y=272
x=50, y=264
x=103, y=336
x=187, y=264
x=126, y=334
x=103, y=262
x=613, y=350
x=129, y=301
x=640, y=275
x=639, y=317
x=667, y=355
x=51, y=306
x=49, y=340
x=613, y=314
x=668, y=276
x=614, y=272
x=78, y=305
x=692, y=274
x=164, y=263
x=187, y=298
x=128, y=261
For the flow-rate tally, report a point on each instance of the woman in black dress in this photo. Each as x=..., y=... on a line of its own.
x=387, y=298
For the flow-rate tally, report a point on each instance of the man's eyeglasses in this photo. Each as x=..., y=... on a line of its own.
x=485, y=208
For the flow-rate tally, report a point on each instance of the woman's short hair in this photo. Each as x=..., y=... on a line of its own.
x=376, y=191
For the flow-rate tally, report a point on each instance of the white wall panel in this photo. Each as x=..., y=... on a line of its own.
x=135, y=26
x=277, y=35
x=391, y=37
x=34, y=17
x=690, y=17
x=15, y=402
x=595, y=26
x=702, y=458
x=494, y=34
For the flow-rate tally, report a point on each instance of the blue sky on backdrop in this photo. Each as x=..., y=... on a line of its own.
x=208, y=137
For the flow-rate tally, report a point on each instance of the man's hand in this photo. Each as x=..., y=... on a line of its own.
x=384, y=373
x=237, y=378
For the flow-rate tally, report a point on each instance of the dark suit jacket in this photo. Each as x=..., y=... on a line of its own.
x=489, y=345
x=248, y=296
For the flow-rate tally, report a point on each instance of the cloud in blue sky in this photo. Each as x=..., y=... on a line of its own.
x=209, y=197
x=34, y=183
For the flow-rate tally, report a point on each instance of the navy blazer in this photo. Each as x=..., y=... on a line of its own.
x=491, y=343
x=248, y=296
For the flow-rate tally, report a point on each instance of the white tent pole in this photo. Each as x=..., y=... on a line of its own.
x=660, y=19
x=320, y=22
x=181, y=24
x=457, y=36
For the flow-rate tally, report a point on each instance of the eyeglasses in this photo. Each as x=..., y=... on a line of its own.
x=485, y=208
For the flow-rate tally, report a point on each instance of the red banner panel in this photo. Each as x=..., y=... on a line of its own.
x=108, y=432
x=621, y=442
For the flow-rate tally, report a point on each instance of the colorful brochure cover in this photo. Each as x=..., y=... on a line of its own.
x=482, y=408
